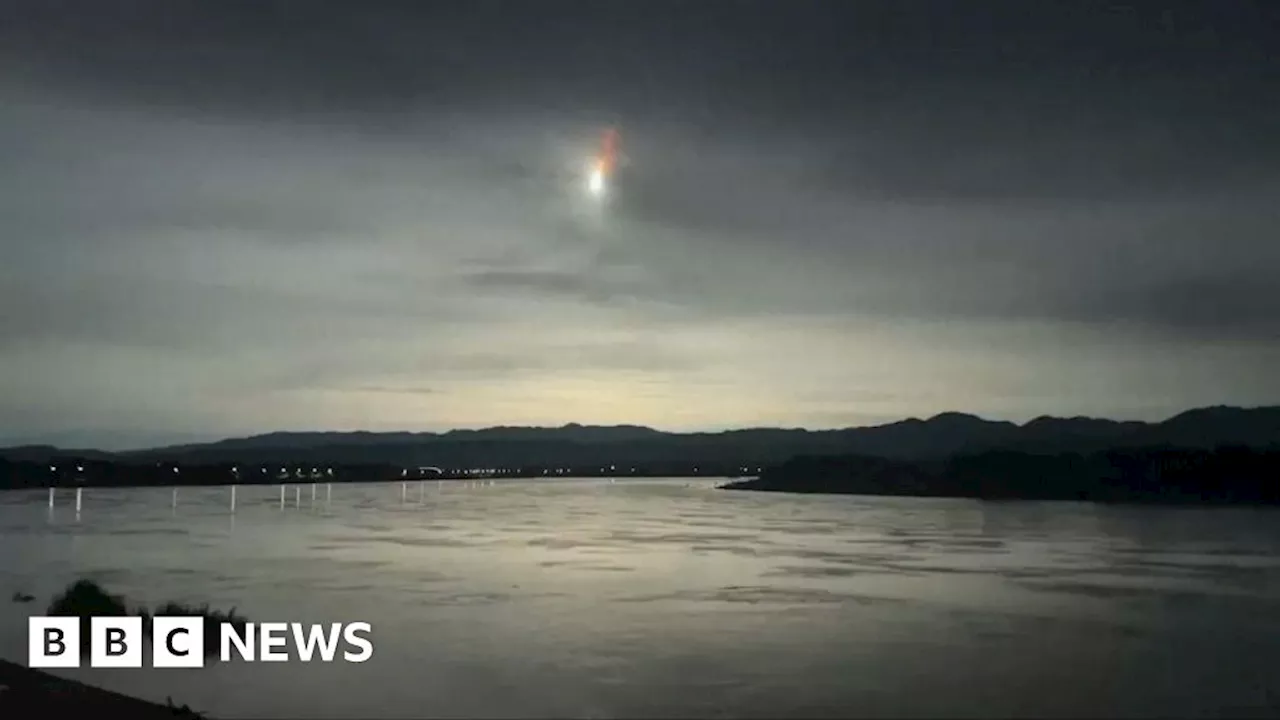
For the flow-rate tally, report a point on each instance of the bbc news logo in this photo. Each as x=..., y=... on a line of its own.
x=178, y=642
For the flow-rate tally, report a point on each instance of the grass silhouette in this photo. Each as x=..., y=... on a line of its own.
x=87, y=599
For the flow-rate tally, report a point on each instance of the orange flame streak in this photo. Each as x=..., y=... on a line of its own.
x=608, y=152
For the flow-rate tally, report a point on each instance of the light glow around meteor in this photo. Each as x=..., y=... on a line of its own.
x=595, y=181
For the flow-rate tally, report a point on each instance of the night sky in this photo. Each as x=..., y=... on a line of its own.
x=223, y=218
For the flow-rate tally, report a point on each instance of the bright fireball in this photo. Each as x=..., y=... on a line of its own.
x=605, y=160
x=595, y=180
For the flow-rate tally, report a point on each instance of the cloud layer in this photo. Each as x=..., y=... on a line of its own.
x=245, y=217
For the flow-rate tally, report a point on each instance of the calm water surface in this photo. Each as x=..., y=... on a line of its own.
x=667, y=598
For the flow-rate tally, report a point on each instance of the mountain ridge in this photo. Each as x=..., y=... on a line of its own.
x=940, y=435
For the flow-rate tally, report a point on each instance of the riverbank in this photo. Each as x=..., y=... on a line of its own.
x=33, y=691
x=1166, y=476
x=25, y=692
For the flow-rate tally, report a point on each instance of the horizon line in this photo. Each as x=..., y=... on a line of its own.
x=722, y=430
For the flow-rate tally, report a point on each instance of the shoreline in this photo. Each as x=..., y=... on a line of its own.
x=223, y=483
x=1168, y=476
x=26, y=692
x=757, y=486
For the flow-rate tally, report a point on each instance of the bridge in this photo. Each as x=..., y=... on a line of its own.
x=422, y=471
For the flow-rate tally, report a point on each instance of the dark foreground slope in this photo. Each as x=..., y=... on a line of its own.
x=1223, y=476
x=27, y=693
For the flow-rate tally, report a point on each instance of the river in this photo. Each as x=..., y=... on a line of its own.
x=669, y=598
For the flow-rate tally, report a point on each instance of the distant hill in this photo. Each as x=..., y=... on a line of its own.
x=937, y=437
x=43, y=453
x=1225, y=475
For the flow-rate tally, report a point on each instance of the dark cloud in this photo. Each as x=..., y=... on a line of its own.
x=386, y=58
x=1014, y=147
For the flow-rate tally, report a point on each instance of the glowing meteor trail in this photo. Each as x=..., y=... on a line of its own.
x=605, y=161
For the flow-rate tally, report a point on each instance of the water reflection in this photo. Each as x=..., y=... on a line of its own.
x=668, y=598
